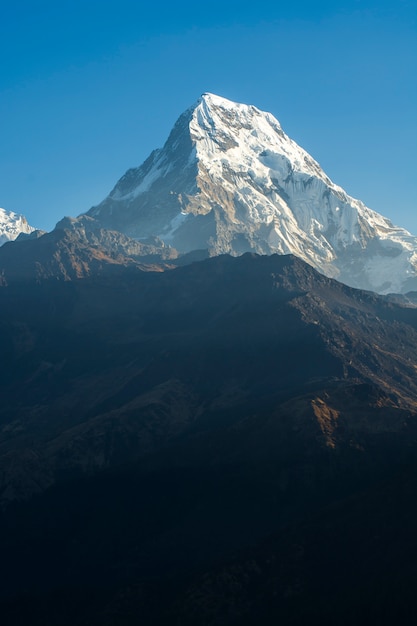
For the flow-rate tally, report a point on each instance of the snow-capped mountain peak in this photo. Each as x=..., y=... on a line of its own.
x=229, y=179
x=253, y=130
x=11, y=225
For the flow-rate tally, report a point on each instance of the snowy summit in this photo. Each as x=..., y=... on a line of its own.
x=230, y=180
x=11, y=225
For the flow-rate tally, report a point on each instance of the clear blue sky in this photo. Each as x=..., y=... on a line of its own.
x=89, y=88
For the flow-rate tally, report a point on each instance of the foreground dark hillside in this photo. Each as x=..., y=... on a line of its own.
x=229, y=439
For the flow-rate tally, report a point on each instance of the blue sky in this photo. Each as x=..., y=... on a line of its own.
x=88, y=89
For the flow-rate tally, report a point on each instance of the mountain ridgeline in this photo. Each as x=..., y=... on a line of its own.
x=198, y=423
x=230, y=180
x=227, y=181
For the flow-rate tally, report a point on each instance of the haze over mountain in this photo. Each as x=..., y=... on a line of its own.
x=77, y=248
x=230, y=180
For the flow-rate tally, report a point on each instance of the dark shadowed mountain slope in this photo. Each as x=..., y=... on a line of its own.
x=159, y=426
x=354, y=562
x=149, y=357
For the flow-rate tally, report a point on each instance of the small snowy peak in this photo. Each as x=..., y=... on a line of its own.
x=11, y=225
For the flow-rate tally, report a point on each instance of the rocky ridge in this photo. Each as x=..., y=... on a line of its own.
x=78, y=248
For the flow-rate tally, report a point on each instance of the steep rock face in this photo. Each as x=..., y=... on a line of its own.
x=12, y=225
x=230, y=180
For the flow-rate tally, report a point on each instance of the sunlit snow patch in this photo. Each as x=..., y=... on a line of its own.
x=173, y=226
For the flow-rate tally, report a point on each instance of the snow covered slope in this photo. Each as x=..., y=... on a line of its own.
x=11, y=225
x=230, y=180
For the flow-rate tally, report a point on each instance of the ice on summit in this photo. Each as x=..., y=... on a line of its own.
x=11, y=225
x=230, y=180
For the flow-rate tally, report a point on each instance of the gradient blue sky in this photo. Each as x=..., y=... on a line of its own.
x=88, y=89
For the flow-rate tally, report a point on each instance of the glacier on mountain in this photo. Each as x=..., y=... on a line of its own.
x=229, y=180
x=12, y=225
